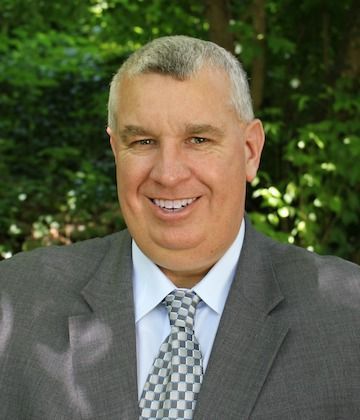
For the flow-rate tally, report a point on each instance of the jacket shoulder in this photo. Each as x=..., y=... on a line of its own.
x=70, y=263
x=316, y=283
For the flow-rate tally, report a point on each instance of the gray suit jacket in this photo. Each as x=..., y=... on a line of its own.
x=287, y=347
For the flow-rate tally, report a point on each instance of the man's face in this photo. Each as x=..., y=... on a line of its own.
x=183, y=157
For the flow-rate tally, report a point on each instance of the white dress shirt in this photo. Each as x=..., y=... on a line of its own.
x=151, y=317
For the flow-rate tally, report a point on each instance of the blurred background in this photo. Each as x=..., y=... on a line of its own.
x=57, y=178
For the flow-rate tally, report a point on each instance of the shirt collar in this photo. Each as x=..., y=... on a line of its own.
x=151, y=285
x=214, y=287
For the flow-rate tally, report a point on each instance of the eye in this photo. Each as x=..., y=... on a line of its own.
x=198, y=140
x=144, y=142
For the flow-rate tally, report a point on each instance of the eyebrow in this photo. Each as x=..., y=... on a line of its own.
x=204, y=129
x=131, y=131
x=190, y=129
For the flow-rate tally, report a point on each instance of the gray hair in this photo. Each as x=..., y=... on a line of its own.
x=181, y=57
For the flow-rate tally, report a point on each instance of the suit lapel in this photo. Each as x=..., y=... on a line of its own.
x=103, y=341
x=248, y=338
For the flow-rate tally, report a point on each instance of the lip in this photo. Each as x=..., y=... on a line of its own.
x=173, y=213
x=173, y=205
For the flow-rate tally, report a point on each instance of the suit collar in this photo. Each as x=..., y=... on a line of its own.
x=257, y=282
x=102, y=340
x=110, y=283
x=248, y=337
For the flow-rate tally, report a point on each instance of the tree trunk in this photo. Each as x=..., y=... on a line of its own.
x=352, y=52
x=326, y=41
x=218, y=15
x=258, y=66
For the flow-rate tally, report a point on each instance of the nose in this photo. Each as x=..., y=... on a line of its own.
x=170, y=166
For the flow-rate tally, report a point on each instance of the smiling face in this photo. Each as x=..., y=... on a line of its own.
x=182, y=159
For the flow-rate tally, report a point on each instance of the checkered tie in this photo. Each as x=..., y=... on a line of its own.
x=173, y=384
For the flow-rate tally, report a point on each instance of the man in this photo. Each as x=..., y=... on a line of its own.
x=259, y=330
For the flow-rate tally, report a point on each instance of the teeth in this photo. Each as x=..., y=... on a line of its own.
x=173, y=204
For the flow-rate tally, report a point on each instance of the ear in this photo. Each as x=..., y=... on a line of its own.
x=112, y=142
x=254, y=139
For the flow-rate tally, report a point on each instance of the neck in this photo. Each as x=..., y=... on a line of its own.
x=184, y=279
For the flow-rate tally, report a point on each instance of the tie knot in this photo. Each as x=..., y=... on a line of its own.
x=181, y=305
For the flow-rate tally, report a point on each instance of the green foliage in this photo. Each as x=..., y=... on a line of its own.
x=56, y=169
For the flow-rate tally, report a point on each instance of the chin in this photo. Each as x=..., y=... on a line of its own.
x=178, y=242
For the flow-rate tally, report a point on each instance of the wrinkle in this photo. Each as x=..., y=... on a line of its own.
x=344, y=290
x=59, y=366
x=6, y=322
x=93, y=340
x=89, y=343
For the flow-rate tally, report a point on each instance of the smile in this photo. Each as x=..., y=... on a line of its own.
x=173, y=205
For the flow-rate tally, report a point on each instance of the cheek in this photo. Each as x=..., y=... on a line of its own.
x=233, y=181
x=125, y=176
x=131, y=174
x=229, y=171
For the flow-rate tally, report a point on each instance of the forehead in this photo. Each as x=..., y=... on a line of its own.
x=206, y=94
